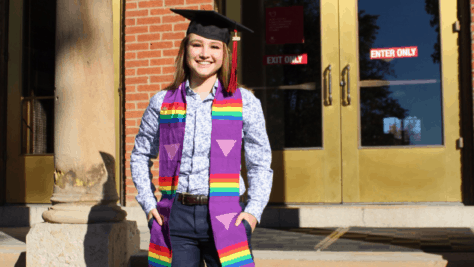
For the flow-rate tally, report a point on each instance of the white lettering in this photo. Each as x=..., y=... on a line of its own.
x=414, y=51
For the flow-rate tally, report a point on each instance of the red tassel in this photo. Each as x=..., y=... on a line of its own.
x=233, y=73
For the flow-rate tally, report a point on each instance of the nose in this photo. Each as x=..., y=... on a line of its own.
x=204, y=52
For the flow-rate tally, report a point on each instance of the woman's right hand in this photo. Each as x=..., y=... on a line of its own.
x=158, y=217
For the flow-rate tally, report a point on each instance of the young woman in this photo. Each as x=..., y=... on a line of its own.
x=198, y=125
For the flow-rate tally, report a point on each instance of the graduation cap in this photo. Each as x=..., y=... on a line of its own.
x=212, y=25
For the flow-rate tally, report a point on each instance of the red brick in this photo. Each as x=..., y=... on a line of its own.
x=180, y=26
x=199, y=1
x=177, y=43
x=130, y=189
x=130, y=6
x=132, y=97
x=134, y=114
x=130, y=88
x=136, y=63
x=160, y=79
x=161, y=45
x=173, y=35
x=162, y=61
x=129, y=21
x=168, y=70
x=149, y=54
x=136, y=80
x=170, y=52
x=130, y=55
x=131, y=47
x=173, y=18
x=136, y=29
x=149, y=37
x=174, y=2
x=150, y=3
x=130, y=72
x=143, y=71
x=130, y=38
x=207, y=7
x=155, y=173
x=161, y=28
x=129, y=147
x=149, y=20
x=131, y=130
x=129, y=123
x=129, y=181
x=130, y=106
x=193, y=7
x=161, y=11
x=142, y=105
x=136, y=13
x=149, y=88
x=129, y=140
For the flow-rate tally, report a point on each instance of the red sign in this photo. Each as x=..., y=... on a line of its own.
x=394, y=52
x=301, y=59
x=284, y=25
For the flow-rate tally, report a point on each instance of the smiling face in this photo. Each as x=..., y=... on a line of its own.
x=204, y=56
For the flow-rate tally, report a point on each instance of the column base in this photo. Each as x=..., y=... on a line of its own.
x=101, y=244
x=81, y=213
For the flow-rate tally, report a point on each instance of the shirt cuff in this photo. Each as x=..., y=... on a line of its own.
x=255, y=208
x=149, y=205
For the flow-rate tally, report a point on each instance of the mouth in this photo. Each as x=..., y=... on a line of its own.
x=204, y=62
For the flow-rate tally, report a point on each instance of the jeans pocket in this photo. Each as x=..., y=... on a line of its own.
x=150, y=223
x=248, y=228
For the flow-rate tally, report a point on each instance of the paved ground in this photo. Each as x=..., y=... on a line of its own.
x=272, y=243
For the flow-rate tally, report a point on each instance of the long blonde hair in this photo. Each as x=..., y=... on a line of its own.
x=182, y=70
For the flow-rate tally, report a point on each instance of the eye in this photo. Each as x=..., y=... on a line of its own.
x=196, y=45
x=215, y=47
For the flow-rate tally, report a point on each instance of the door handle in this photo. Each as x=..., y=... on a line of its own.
x=329, y=101
x=347, y=71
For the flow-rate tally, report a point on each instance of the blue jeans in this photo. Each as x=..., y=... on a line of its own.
x=191, y=236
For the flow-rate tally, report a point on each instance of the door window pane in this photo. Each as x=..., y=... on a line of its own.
x=400, y=75
x=290, y=93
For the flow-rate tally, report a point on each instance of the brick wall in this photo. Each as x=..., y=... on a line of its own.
x=152, y=37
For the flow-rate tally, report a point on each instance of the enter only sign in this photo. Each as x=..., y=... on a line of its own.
x=285, y=59
x=394, y=52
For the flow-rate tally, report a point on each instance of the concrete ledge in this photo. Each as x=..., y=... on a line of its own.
x=400, y=216
x=319, y=216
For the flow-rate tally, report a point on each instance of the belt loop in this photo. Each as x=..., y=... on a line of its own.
x=199, y=198
x=182, y=199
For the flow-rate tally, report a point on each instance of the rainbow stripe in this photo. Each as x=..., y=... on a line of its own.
x=224, y=184
x=173, y=112
x=230, y=109
x=159, y=256
x=235, y=255
x=168, y=186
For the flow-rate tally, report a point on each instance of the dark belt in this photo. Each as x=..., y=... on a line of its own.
x=190, y=200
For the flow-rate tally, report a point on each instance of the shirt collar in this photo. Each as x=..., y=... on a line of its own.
x=190, y=91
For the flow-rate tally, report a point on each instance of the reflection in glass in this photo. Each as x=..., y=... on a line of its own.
x=400, y=98
x=290, y=94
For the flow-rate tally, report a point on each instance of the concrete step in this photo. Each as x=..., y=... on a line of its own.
x=13, y=246
x=346, y=259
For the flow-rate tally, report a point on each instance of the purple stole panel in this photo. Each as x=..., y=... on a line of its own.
x=226, y=142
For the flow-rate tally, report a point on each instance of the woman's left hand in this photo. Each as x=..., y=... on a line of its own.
x=248, y=217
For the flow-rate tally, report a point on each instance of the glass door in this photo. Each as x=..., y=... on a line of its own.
x=400, y=101
x=291, y=62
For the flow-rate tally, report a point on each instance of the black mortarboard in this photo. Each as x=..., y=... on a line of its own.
x=210, y=24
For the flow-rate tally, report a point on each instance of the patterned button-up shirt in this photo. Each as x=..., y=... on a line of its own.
x=194, y=170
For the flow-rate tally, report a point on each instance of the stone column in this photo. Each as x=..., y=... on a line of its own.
x=84, y=226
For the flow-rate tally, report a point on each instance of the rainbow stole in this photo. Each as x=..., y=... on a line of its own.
x=225, y=155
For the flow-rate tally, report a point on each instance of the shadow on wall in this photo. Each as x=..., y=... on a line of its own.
x=94, y=241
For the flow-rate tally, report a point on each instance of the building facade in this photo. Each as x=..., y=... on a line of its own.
x=364, y=102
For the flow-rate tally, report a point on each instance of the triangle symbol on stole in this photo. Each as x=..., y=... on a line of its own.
x=226, y=219
x=171, y=150
x=226, y=145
